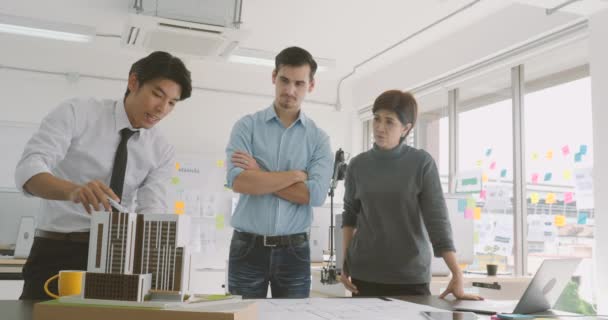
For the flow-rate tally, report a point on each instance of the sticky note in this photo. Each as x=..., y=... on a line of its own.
x=568, y=197
x=219, y=163
x=549, y=155
x=482, y=194
x=180, y=207
x=548, y=176
x=582, y=218
x=560, y=220
x=479, y=163
x=565, y=150
x=534, y=155
x=488, y=152
x=177, y=166
x=550, y=199
x=583, y=149
x=471, y=203
x=534, y=198
x=567, y=174
x=219, y=221
x=503, y=173
x=476, y=237
x=535, y=178
x=468, y=213
x=462, y=205
x=578, y=157
x=484, y=178
x=477, y=213
x=493, y=165
x=174, y=180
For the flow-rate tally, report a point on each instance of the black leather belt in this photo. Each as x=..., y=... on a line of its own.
x=273, y=241
x=81, y=237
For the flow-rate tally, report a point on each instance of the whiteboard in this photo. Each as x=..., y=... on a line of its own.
x=13, y=137
x=197, y=189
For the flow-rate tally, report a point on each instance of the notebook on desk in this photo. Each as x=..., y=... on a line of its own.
x=541, y=294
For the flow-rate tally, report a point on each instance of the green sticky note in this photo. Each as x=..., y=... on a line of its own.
x=219, y=221
x=175, y=180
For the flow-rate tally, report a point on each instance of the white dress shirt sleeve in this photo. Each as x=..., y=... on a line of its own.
x=152, y=194
x=48, y=146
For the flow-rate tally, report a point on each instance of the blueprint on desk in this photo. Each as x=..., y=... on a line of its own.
x=339, y=308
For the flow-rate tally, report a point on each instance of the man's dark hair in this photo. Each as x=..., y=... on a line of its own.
x=295, y=57
x=161, y=64
x=403, y=104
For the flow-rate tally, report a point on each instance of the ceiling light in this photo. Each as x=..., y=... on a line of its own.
x=266, y=58
x=45, y=29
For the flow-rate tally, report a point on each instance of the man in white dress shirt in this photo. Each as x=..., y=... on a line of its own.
x=89, y=149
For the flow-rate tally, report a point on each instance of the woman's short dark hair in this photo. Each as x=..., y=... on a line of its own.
x=160, y=64
x=295, y=57
x=403, y=104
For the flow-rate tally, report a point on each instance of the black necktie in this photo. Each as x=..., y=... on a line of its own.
x=120, y=163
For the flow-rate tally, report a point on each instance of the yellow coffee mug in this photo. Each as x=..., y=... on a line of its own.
x=69, y=283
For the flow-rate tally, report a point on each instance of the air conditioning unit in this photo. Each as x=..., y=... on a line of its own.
x=180, y=37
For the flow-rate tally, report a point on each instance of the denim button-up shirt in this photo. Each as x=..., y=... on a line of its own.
x=302, y=146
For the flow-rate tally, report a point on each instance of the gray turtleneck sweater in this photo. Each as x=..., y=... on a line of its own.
x=395, y=201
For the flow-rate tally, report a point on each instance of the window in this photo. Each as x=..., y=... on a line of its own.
x=559, y=162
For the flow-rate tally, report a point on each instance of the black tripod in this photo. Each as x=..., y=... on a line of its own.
x=329, y=273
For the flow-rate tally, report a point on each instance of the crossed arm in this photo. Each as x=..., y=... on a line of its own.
x=288, y=185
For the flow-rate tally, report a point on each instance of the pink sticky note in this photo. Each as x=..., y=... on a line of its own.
x=568, y=197
x=565, y=150
x=468, y=213
x=482, y=194
x=535, y=178
x=493, y=165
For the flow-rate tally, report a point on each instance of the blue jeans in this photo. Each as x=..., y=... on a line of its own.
x=252, y=266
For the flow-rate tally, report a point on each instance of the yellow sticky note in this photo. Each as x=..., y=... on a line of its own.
x=484, y=178
x=567, y=174
x=560, y=220
x=219, y=221
x=219, y=163
x=479, y=163
x=550, y=154
x=550, y=199
x=180, y=207
x=175, y=180
x=477, y=213
x=177, y=166
x=534, y=155
x=534, y=197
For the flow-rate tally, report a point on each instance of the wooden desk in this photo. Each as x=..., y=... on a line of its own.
x=22, y=310
x=11, y=278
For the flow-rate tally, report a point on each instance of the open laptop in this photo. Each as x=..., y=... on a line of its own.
x=541, y=294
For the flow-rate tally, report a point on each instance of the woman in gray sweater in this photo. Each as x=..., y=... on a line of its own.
x=394, y=202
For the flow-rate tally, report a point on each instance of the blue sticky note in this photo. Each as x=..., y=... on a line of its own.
x=548, y=176
x=578, y=157
x=583, y=149
x=488, y=152
x=582, y=218
x=462, y=205
x=503, y=173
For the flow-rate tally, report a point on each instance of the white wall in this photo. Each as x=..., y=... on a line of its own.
x=200, y=124
x=598, y=49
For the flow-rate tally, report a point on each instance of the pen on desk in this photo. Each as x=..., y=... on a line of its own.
x=384, y=298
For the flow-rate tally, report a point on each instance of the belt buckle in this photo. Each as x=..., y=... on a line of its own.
x=267, y=244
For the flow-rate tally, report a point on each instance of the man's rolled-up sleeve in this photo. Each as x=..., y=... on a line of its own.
x=319, y=172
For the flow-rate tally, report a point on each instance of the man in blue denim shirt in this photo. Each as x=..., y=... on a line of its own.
x=281, y=164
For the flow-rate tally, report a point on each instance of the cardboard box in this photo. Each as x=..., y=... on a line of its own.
x=53, y=310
